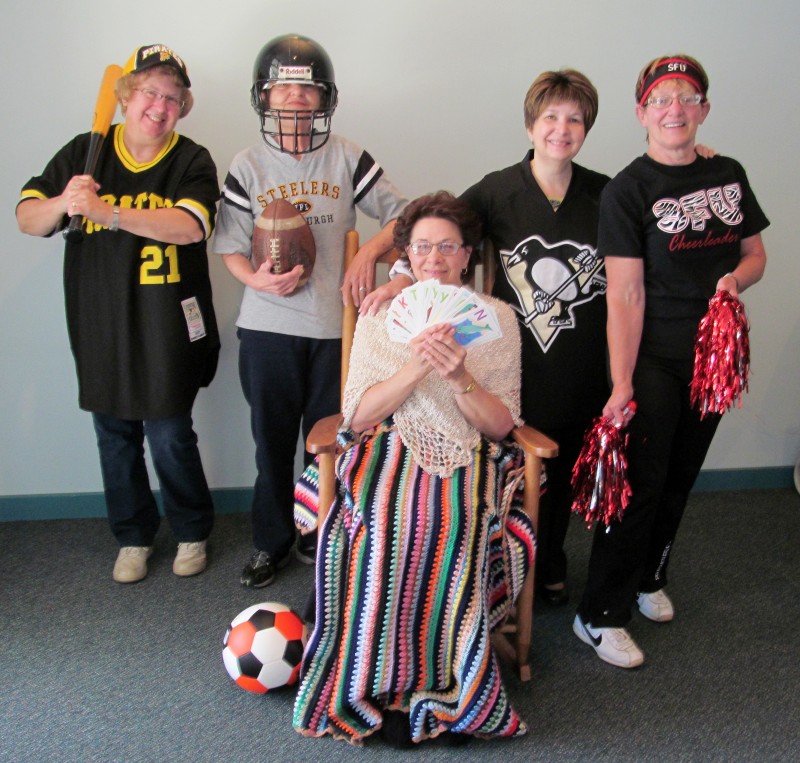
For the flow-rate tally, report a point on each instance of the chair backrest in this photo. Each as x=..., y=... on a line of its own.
x=349, y=311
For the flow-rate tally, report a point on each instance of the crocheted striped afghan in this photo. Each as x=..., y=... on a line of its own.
x=413, y=572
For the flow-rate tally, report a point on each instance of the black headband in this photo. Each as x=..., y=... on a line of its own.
x=672, y=68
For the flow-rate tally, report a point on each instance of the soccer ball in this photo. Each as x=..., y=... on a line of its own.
x=263, y=647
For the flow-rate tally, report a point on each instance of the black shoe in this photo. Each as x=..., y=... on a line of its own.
x=260, y=571
x=306, y=548
x=555, y=597
x=395, y=730
x=455, y=739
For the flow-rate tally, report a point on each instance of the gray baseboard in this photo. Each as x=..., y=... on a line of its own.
x=92, y=505
x=15, y=508
x=764, y=478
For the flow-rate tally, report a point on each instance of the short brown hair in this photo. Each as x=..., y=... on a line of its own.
x=561, y=86
x=445, y=206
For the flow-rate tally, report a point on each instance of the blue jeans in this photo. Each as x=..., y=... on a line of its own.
x=290, y=382
x=132, y=509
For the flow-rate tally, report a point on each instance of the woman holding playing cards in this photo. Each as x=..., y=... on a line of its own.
x=674, y=229
x=426, y=496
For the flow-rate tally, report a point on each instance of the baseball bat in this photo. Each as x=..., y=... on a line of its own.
x=104, y=109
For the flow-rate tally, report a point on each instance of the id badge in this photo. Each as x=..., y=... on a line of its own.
x=194, y=319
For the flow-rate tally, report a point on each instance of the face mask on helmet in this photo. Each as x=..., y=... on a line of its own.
x=294, y=59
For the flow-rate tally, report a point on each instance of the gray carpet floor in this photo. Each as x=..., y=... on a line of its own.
x=95, y=671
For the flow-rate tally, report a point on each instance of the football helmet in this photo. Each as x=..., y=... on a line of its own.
x=294, y=59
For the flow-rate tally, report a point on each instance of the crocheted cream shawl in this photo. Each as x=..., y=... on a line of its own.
x=429, y=421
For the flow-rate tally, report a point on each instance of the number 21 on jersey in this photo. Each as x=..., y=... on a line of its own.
x=152, y=267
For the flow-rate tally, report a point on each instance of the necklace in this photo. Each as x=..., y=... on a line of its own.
x=555, y=200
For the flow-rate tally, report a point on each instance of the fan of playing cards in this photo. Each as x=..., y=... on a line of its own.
x=427, y=303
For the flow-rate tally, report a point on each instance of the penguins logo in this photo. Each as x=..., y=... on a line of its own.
x=551, y=280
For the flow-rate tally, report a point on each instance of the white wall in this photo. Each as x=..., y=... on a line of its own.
x=434, y=90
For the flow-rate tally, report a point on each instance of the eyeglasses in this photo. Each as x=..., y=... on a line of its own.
x=424, y=248
x=664, y=101
x=154, y=95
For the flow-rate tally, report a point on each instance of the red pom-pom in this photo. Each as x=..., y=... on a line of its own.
x=600, y=487
x=721, y=356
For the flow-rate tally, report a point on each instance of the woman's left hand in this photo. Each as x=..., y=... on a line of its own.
x=706, y=152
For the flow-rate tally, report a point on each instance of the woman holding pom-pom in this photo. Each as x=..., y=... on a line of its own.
x=674, y=229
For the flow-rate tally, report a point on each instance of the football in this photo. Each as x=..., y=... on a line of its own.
x=263, y=647
x=282, y=235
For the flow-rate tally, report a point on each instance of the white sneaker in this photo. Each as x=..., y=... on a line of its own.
x=656, y=606
x=131, y=564
x=613, y=645
x=190, y=559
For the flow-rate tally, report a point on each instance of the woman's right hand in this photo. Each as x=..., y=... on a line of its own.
x=618, y=410
x=41, y=217
x=385, y=397
x=418, y=364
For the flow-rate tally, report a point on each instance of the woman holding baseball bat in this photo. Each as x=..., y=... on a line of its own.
x=138, y=300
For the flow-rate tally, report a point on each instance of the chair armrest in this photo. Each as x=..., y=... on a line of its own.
x=322, y=437
x=533, y=442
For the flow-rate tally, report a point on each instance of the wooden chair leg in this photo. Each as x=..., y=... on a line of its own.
x=533, y=473
x=525, y=627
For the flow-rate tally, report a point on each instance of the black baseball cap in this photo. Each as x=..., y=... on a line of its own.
x=156, y=55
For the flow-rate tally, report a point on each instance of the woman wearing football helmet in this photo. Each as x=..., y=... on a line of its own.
x=294, y=94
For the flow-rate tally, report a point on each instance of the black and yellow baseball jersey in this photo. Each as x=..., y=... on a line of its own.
x=139, y=313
